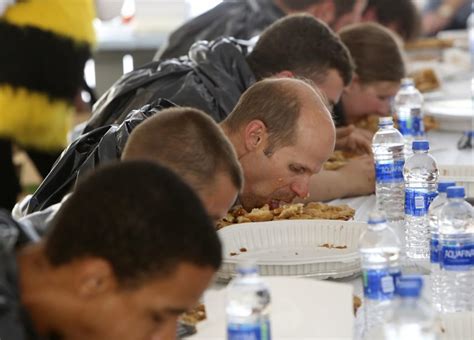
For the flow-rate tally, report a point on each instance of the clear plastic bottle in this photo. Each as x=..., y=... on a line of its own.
x=433, y=215
x=456, y=242
x=421, y=177
x=411, y=318
x=248, y=305
x=408, y=103
x=387, y=146
x=379, y=249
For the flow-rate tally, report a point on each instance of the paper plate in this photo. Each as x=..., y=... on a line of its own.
x=452, y=115
x=304, y=248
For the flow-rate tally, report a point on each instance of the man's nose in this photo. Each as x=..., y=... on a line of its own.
x=301, y=187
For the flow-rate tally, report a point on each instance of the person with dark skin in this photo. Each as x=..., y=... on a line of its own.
x=117, y=263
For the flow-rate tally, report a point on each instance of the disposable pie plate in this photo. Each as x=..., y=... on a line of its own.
x=457, y=326
x=293, y=248
x=452, y=115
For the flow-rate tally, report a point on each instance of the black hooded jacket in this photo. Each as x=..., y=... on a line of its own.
x=241, y=19
x=211, y=78
x=98, y=147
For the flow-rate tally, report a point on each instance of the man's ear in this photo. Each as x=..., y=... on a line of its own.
x=255, y=135
x=94, y=277
x=284, y=74
x=325, y=11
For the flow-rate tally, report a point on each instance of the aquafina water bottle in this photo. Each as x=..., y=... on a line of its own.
x=456, y=242
x=421, y=177
x=411, y=318
x=408, y=103
x=379, y=249
x=433, y=215
x=248, y=305
x=387, y=146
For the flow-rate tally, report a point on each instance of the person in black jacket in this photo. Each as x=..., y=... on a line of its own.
x=244, y=19
x=117, y=263
x=215, y=74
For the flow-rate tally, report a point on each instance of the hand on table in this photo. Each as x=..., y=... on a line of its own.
x=352, y=139
x=359, y=174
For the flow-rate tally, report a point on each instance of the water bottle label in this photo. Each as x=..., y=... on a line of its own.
x=389, y=172
x=418, y=202
x=378, y=284
x=395, y=273
x=457, y=257
x=405, y=126
x=434, y=249
x=255, y=331
x=418, y=127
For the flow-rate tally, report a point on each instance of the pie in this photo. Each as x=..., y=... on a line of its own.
x=337, y=160
x=296, y=211
x=426, y=80
x=194, y=316
x=371, y=123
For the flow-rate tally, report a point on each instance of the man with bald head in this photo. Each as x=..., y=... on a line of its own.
x=281, y=142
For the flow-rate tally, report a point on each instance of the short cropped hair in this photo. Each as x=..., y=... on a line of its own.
x=187, y=141
x=404, y=14
x=303, y=45
x=376, y=52
x=276, y=103
x=138, y=216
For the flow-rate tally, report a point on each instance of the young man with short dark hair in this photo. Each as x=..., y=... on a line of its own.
x=245, y=19
x=215, y=74
x=117, y=263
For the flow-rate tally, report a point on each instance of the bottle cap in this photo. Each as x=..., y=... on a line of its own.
x=444, y=185
x=247, y=267
x=420, y=145
x=456, y=192
x=407, y=82
x=409, y=285
x=384, y=121
x=376, y=218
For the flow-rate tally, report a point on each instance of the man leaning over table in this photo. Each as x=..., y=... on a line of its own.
x=116, y=264
x=215, y=74
x=185, y=140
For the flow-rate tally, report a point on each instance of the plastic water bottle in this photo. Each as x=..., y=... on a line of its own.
x=421, y=175
x=408, y=103
x=433, y=214
x=379, y=249
x=411, y=318
x=456, y=241
x=387, y=146
x=248, y=305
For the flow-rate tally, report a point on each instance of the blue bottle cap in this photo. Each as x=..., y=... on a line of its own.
x=444, y=185
x=456, y=192
x=409, y=285
x=420, y=145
